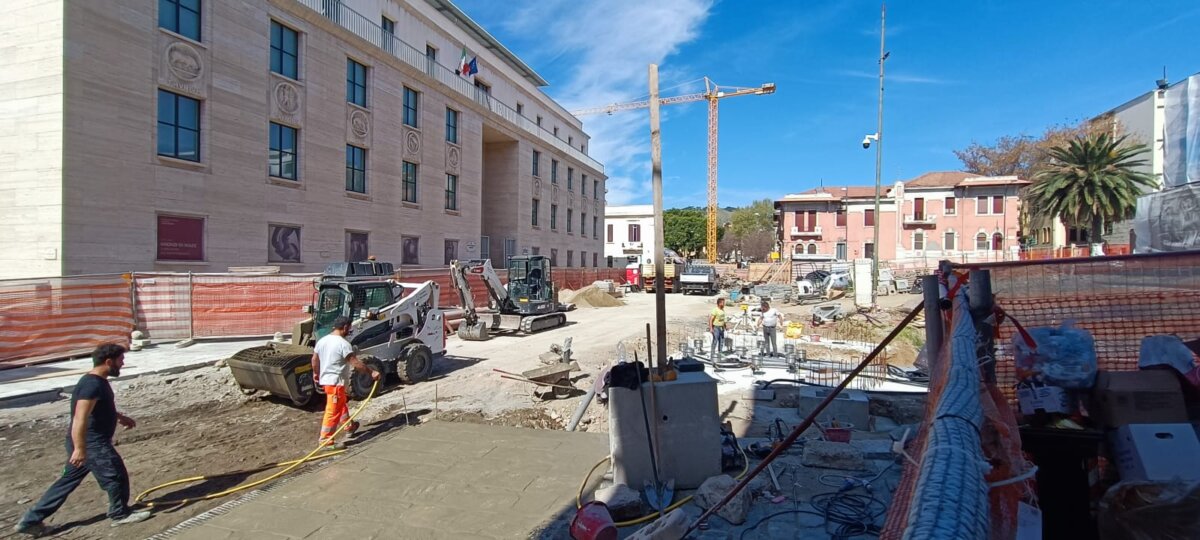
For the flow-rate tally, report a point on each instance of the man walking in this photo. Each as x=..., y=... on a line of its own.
x=331, y=360
x=94, y=420
x=716, y=326
x=769, y=323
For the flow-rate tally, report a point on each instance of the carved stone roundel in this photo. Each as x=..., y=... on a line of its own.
x=184, y=61
x=452, y=157
x=537, y=185
x=555, y=195
x=287, y=98
x=412, y=143
x=359, y=124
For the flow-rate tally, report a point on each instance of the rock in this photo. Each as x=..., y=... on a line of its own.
x=220, y=363
x=832, y=455
x=623, y=502
x=904, y=410
x=25, y=501
x=714, y=489
x=669, y=527
x=759, y=483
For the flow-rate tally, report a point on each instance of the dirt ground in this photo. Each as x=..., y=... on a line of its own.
x=198, y=422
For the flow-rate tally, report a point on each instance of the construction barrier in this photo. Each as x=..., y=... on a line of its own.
x=49, y=318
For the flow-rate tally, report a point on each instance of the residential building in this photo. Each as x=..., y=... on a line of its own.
x=628, y=234
x=197, y=135
x=937, y=215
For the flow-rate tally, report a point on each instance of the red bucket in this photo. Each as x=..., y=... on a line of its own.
x=593, y=522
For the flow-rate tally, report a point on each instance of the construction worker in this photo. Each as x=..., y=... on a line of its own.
x=94, y=420
x=769, y=323
x=716, y=326
x=331, y=360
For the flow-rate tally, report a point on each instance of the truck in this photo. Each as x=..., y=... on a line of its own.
x=397, y=328
x=672, y=269
x=698, y=278
x=527, y=303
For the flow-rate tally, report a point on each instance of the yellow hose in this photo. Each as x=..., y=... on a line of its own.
x=656, y=513
x=312, y=456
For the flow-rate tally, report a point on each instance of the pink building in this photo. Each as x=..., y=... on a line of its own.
x=938, y=215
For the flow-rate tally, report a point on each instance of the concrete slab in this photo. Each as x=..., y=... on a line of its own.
x=501, y=484
x=44, y=382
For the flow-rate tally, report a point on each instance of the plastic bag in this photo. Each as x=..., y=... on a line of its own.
x=1165, y=350
x=1150, y=511
x=1065, y=357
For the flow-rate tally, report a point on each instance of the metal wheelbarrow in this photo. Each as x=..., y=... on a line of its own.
x=556, y=377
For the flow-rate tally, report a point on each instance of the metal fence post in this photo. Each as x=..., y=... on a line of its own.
x=979, y=297
x=933, y=320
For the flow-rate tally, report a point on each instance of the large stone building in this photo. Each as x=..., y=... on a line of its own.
x=939, y=215
x=196, y=135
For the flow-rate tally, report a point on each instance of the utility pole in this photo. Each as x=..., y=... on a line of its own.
x=875, y=248
x=660, y=299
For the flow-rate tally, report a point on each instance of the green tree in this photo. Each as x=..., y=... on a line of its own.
x=684, y=230
x=756, y=217
x=1089, y=181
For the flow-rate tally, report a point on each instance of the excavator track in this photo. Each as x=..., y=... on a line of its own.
x=537, y=323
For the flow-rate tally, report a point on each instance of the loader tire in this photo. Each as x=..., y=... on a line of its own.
x=415, y=364
x=360, y=383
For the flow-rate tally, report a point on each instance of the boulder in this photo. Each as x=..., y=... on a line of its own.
x=715, y=488
x=623, y=502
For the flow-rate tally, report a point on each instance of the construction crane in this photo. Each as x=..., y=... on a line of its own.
x=712, y=93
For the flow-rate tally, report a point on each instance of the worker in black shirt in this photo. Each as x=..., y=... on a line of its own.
x=94, y=420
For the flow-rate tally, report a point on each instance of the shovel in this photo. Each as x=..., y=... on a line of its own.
x=655, y=493
x=659, y=497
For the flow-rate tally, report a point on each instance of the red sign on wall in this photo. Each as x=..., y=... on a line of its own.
x=180, y=238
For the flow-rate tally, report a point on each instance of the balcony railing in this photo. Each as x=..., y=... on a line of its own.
x=357, y=24
x=919, y=219
x=816, y=231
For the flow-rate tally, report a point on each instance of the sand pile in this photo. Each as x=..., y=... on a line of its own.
x=589, y=296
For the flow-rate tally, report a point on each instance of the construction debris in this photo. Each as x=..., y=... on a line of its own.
x=716, y=488
x=623, y=502
x=669, y=527
x=833, y=455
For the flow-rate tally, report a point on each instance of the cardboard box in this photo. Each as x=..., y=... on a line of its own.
x=1137, y=397
x=1156, y=452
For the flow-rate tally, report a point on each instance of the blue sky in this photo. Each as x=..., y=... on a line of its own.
x=958, y=72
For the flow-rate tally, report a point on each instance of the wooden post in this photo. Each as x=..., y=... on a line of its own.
x=660, y=299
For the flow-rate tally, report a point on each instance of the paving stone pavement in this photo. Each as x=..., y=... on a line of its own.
x=432, y=481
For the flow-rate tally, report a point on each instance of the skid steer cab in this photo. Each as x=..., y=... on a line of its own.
x=398, y=329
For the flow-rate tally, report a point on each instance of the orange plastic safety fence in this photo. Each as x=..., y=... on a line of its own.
x=43, y=319
x=234, y=306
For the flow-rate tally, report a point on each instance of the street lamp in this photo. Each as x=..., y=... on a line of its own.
x=878, y=138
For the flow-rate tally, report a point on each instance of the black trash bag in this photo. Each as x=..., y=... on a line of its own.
x=627, y=375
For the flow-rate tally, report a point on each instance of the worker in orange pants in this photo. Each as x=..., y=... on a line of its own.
x=331, y=360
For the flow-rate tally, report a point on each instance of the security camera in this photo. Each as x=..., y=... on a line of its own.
x=867, y=142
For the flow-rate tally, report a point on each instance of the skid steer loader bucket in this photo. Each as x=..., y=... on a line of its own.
x=283, y=370
x=473, y=332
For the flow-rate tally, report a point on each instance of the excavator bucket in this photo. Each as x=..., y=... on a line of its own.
x=473, y=332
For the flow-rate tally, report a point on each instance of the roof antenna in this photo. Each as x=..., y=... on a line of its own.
x=1163, y=83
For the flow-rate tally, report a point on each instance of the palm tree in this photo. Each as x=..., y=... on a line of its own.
x=1091, y=181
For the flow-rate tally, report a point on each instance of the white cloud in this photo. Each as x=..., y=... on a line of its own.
x=611, y=44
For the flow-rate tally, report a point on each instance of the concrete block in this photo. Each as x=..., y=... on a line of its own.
x=903, y=410
x=874, y=448
x=713, y=490
x=831, y=455
x=623, y=502
x=669, y=527
x=849, y=406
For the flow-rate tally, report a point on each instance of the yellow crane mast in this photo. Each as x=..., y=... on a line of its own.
x=712, y=93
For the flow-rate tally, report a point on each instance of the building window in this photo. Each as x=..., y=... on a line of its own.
x=812, y=248
x=868, y=218
x=181, y=17
x=410, y=182
x=553, y=257
x=610, y=233
x=595, y=189
x=570, y=220
x=983, y=204
x=178, y=126
x=951, y=207
x=180, y=238
x=596, y=228
x=356, y=83
x=451, y=126
x=570, y=179
x=283, y=151
x=556, y=132
x=806, y=221
x=869, y=250
x=948, y=241
x=554, y=171
x=570, y=140
x=582, y=259
x=553, y=217
x=582, y=224
x=535, y=212
x=583, y=185
x=410, y=250
x=981, y=242
x=535, y=250
x=451, y=252
x=411, y=106
x=451, y=192
x=539, y=121
x=635, y=232
x=521, y=109
x=537, y=158
x=840, y=251
x=570, y=257
x=389, y=33
x=356, y=169
x=841, y=217
x=997, y=205
x=357, y=247
x=285, y=51
x=594, y=260
x=919, y=241
x=283, y=245
x=919, y=209
x=997, y=242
